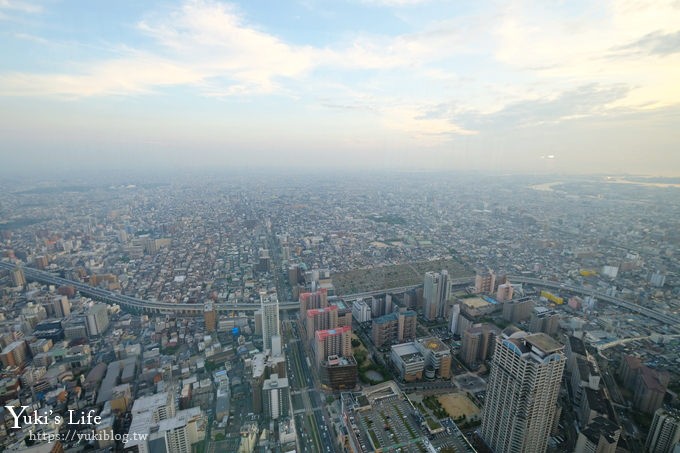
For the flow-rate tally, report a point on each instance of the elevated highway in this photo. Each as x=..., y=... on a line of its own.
x=134, y=303
x=657, y=315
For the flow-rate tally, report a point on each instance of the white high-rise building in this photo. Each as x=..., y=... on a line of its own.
x=270, y=319
x=97, y=320
x=436, y=291
x=455, y=313
x=276, y=397
x=522, y=393
x=664, y=433
x=361, y=311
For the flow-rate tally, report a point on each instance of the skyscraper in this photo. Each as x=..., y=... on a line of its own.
x=505, y=292
x=209, y=317
x=18, y=277
x=270, y=319
x=436, y=291
x=522, y=393
x=321, y=319
x=275, y=397
x=485, y=282
x=97, y=320
x=314, y=299
x=332, y=342
x=664, y=433
x=62, y=306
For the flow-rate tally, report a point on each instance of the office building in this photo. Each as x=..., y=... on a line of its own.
x=381, y=305
x=504, y=292
x=61, y=306
x=394, y=327
x=584, y=375
x=594, y=403
x=17, y=276
x=160, y=430
x=409, y=361
x=269, y=305
x=650, y=389
x=629, y=369
x=275, y=397
x=294, y=275
x=517, y=310
x=14, y=354
x=97, y=320
x=600, y=436
x=344, y=313
x=332, y=342
x=453, y=322
x=41, y=262
x=314, y=299
x=406, y=327
x=321, y=319
x=664, y=433
x=361, y=311
x=161, y=406
x=485, y=282
x=209, y=317
x=478, y=344
x=264, y=264
x=574, y=348
x=436, y=292
x=522, y=392
x=544, y=320
x=338, y=373
x=174, y=432
x=437, y=355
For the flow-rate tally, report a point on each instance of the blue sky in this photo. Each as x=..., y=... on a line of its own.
x=516, y=86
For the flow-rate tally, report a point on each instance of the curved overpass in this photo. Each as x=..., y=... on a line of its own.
x=197, y=309
x=657, y=315
x=135, y=303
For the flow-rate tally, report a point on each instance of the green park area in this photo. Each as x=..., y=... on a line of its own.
x=369, y=371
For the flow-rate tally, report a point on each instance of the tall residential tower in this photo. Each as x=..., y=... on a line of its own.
x=270, y=319
x=436, y=291
x=522, y=393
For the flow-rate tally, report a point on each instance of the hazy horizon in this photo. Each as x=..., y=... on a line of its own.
x=577, y=88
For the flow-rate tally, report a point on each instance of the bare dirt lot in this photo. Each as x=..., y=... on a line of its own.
x=457, y=405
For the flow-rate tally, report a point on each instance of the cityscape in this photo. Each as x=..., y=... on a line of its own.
x=349, y=226
x=413, y=311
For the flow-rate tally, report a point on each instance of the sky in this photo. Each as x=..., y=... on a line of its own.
x=507, y=86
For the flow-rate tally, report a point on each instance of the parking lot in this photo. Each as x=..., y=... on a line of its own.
x=390, y=424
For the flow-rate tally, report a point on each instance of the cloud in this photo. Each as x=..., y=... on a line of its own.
x=20, y=6
x=216, y=38
x=582, y=102
x=514, y=66
x=394, y=3
x=135, y=74
x=32, y=38
x=655, y=43
x=203, y=44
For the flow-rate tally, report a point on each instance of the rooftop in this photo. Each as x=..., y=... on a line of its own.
x=323, y=334
x=433, y=344
x=544, y=342
x=475, y=302
x=150, y=403
x=316, y=311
